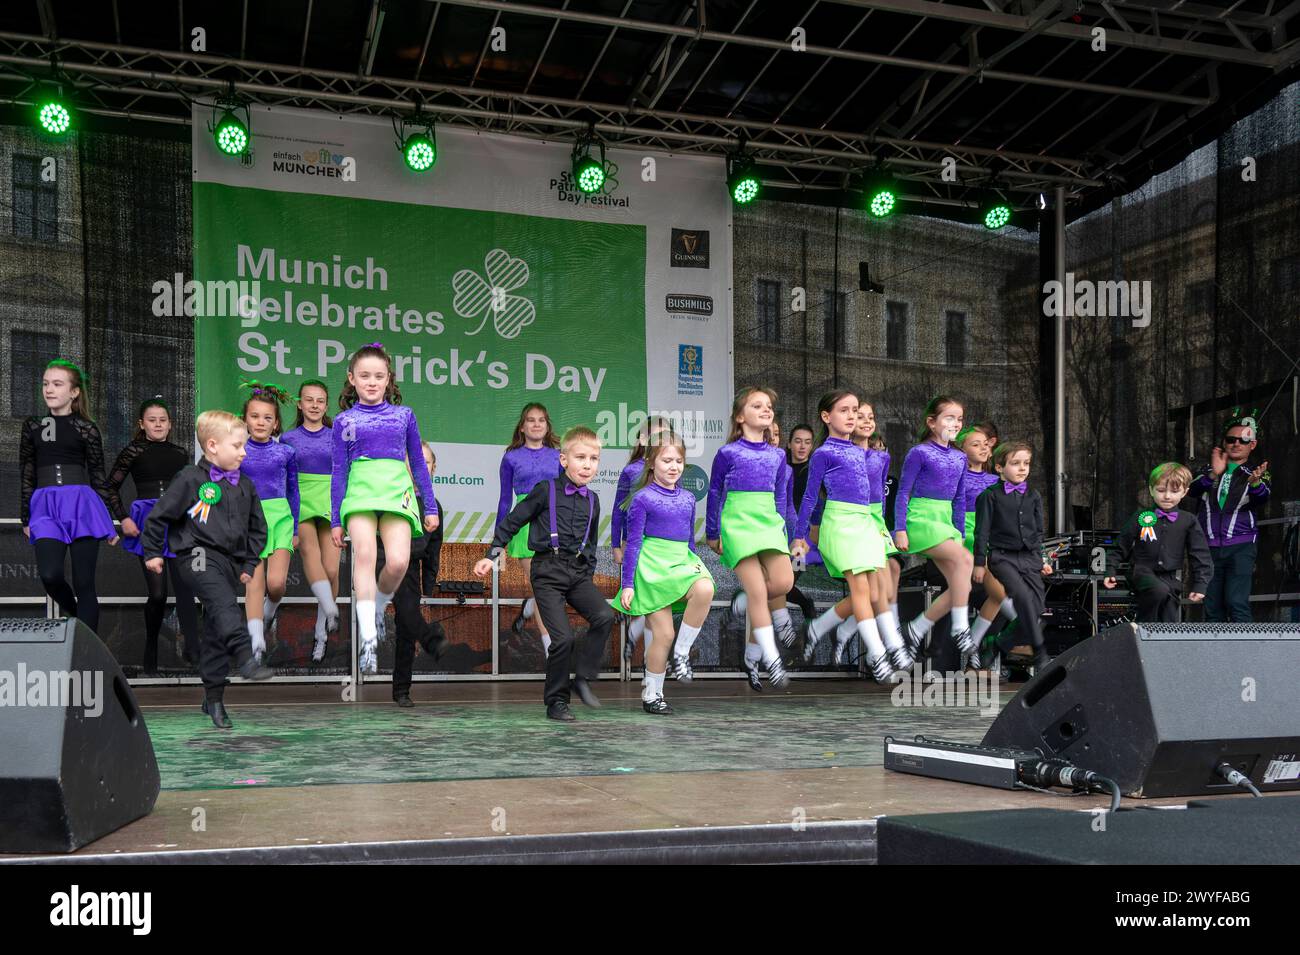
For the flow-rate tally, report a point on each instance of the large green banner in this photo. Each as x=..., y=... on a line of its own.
x=481, y=311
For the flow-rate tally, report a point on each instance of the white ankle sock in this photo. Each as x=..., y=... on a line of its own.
x=382, y=600
x=781, y=617
x=652, y=687
x=960, y=619
x=530, y=605
x=742, y=603
x=255, y=631
x=846, y=630
x=980, y=627
x=635, y=629
x=887, y=625
x=753, y=653
x=546, y=643
x=686, y=635
x=325, y=597
x=320, y=622
x=922, y=625
x=366, y=621
x=1009, y=608
x=867, y=631
x=269, y=607
x=893, y=608
x=765, y=638
x=827, y=621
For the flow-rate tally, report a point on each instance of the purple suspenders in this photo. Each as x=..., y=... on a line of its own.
x=555, y=533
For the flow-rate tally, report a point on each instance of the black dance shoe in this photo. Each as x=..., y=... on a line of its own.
x=403, y=700
x=751, y=671
x=560, y=712
x=252, y=670
x=217, y=710
x=657, y=707
x=583, y=689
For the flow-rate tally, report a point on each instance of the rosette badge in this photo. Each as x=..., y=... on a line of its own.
x=1147, y=523
x=209, y=494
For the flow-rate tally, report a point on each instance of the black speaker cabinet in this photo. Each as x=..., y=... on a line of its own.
x=1157, y=707
x=76, y=761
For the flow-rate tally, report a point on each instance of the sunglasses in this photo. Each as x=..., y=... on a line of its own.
x=1233, y=439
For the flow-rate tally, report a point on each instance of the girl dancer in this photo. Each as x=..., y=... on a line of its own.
x=151, y=461
x=851, y=546
x=312, y=440
x=662, y=575
x=929, y=520
x=743, y=519
x=371, y=491
x=884, y=585
x=627, y=479
x=532, y=456
x=273, y=469
x=65, y=499
x=978, y=442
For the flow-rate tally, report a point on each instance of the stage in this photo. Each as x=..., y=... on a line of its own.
x=475, y=772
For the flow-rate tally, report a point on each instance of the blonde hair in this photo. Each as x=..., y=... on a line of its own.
x=215, y=425
x=1170, y=471
x=582, y=434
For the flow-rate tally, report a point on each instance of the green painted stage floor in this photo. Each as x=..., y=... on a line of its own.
x=321, y=744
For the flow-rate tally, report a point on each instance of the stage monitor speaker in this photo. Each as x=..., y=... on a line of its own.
x=76, y=761
x=1158, y=707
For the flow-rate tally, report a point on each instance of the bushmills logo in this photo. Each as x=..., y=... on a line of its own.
x=689, y=249
x=696, y=308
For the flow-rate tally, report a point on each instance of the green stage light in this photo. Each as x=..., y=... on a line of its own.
x=54, y=117
x=589, y=174
x=419, y=151
x=742, y=182
x=883, y=201
x=231, y=134
x=996, y=216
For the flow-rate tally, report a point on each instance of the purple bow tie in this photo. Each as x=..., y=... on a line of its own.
x=217, y=474
x=574, y=489
x=1008, y=487
x=1167, y=515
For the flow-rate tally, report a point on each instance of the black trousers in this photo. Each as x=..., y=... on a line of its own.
x=1157, y=595
x=421, y=577
x=1020, y=572
x=557, y=581
x=225, y=628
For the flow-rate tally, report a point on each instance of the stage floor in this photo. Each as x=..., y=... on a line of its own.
x=473, y=760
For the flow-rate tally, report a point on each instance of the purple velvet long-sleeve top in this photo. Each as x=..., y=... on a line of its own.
x=744, y=466
x=273, y=469
x=842, y=467
x=377, y=431
x=522, y=469
x=656, y=511
x=973, y=487
x=628, y=477
x=787, y=508
x=878, y=467
x=933, y=471
x=315, y=449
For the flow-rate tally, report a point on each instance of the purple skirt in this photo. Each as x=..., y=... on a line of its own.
x=68, y=511
x=140, y=509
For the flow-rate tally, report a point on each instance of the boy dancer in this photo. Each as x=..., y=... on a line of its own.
x=1159, y=541
x=213, y=522
x=563, y=515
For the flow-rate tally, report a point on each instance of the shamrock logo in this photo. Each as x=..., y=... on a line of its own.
x=478, y=296
x=611, y=176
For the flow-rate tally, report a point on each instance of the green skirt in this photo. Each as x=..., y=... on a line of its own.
x=968, y=540
x=380, y=485
x=279, y=525
x=665, y=572
x=849, y=541
x=518, y=546
x=878, y=518
x=751, y=525
x=313, y=497
x=929, y=522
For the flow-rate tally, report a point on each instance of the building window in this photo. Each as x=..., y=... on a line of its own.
x=896, y=331
x=769, y=311
x=31, y=352
x=35, y=203
x=955, y=337
x=1198, y=299
x=834, y=319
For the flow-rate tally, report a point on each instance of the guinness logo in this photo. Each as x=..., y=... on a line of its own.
x=689, y=249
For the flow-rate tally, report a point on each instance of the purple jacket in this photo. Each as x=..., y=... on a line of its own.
x=1235, y=522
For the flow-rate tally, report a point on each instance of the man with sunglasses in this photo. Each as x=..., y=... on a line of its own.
x=1231, y=493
